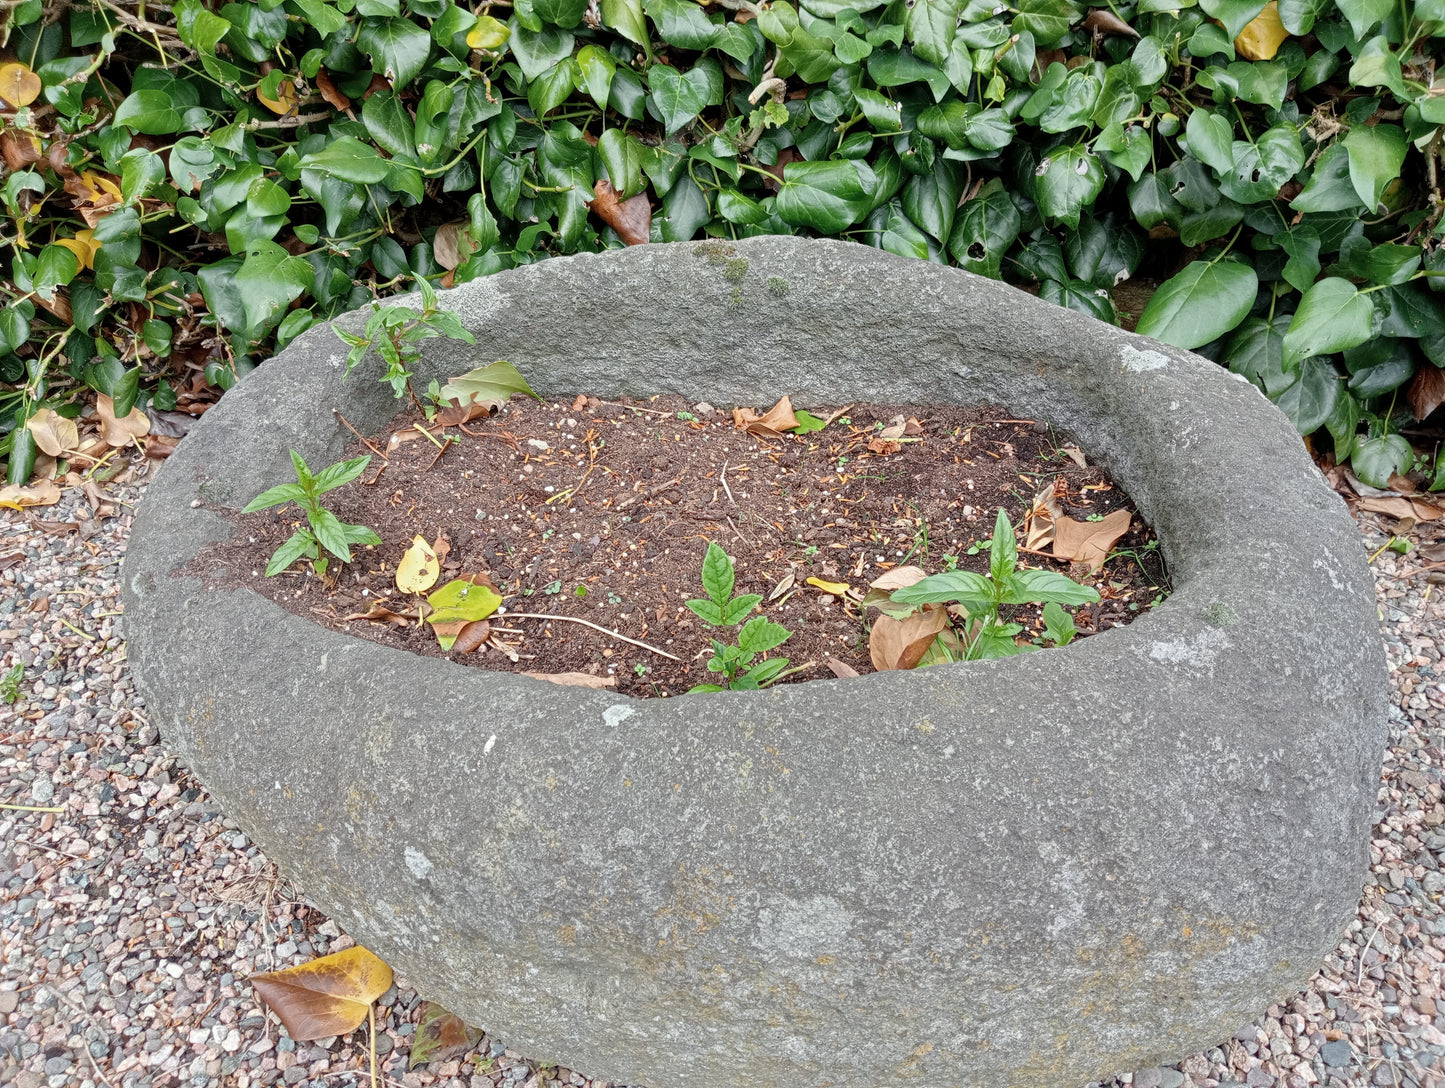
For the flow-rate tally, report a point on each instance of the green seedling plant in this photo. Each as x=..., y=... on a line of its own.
x=981, y=596
x=10, y=684
x=757, y=636
x=323, y=529
x=396, y=334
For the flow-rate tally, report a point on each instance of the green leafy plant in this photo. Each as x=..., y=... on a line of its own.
x=396, y=333
x=981, y=596
x=757, y=636
x=323, y=530
x=10, y=684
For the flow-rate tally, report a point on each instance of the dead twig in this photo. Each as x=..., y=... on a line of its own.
x=723, y=478
x=364, y=440
x=594, y=626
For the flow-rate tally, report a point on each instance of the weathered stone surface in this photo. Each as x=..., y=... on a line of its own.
x=1028, y=872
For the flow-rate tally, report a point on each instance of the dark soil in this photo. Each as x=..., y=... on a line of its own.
x=603, y=511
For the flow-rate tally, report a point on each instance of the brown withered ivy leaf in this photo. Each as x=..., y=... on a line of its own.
x=441, y=1036
x=328, y=996
x=630, y=218
x=331, y=92
x=1089, y=542
x=771, y=424
x=1106, y=22
x=901, y=644
x=124, y=431
x=1427, y=390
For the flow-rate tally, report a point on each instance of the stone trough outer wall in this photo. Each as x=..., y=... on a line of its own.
x=1029, y=872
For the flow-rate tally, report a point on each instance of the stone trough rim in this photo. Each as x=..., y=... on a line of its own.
x=1220, y=577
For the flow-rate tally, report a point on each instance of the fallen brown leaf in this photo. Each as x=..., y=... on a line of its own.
x=41, y=493
x=160, y=447
x=450, y=416
x=471, y=636
x=1106, y=22
x=1400, y=507
x=1045, y=511
x=328, y=996
x=1089, y=542
x=630, y=218
x=901, y=644
x=452, y=244
x=440, y=1036
x=898, y=578
x=331, y=92
x=895, y=430
x=1075, y=455
x=772, y=424
x=120, y=432
x=840, y=669
x=882, y=446
x=19, y=149
x=1427, y=390
x=53, y=433
x=380, y=613
x=55, y=528
x=574, y=679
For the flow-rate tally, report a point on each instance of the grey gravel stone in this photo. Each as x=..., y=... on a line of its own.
x=1337, y=1053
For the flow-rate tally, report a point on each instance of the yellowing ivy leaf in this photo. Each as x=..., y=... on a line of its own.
x=487, y=386
x=1263, y=35
x=83, y=245
x=489, y=33
x=19, y=86
x=285, y=100
x=838, y=589
x=417, y=572
x=328, y=996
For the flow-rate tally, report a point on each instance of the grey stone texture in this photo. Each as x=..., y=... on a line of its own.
x=1031, y=872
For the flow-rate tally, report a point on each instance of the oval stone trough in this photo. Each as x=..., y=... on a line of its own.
x=1026, y=872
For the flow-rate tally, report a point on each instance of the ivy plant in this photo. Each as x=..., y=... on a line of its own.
x=190, y=187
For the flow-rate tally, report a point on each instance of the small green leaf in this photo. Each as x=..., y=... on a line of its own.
x=1200, y=304
x=1003, y=552
x=1065, y=181
x=398, y=48
x=343, y=472
x=1376, y=154
x=347, y=159
x=717, y=574
x=275, y=496
x=1211, y=139
x=1332, y=316
x=1309, y=400
x=301, y=543
x=1375, y=460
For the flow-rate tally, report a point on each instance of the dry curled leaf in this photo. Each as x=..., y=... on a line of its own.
x=574, y=679
x=630, y=218
x=1089, y=542
x=1045, y=511
x=1106, y=22
x=453, y=244
x=19, y=149
x=471, y=635
x=771, y=424
x=418, y=570
x=328, y=996
x=54, y=434
x=882, y=446
x=840, y=669
x=331, y=92
x=380, y=613
x=19, y=86
x=901, y=644
x=1427, y=390
x=1402, y=508
x=1075, y=455
x=441, y=1036
x=120, y=432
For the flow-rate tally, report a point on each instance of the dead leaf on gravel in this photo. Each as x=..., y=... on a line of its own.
x=42, y=493
x=882, y=447
x=1427, y=390
x=160, y=447
x=771, y=424
x=1401, y=507
x=55, y=528
x=54, y=434
x=328, y=996
x=842, y=670
x=121, y=432
x=441, y=1036
x=170, y=424
x=1089, y=542
x=410, y=434
x=449, y=416
x=1045, y=511
x=895, y=430
x=901, y=644
x=574, y=679
x=380, y=613
x=630, y=218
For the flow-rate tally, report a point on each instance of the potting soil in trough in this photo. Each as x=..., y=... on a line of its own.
x=602, y=510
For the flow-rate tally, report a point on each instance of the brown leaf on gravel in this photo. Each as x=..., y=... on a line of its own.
x=331, y=92
x=778, y=419
x=1427, y=390
x=471, y=636
x=1089, y=542
x=160, y=447
x=42, y=493
x=53, y=433
x=630, y=218
x=1400, y=507
x=574, y=679
x=55, y=528
x=450, y=416
x=120, y=432
x=11, y=560
x=1106, y=22
x=882, y=446
x=901, y=644
x=841, y=669
x=441, y=1036
x=328, y=996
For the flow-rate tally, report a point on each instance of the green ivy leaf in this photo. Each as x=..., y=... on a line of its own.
x=828, y=196
x=398, y=48
x=268, y=281
x=1376, y=154
x=597, y=69
x=1234, y=14
x=1256, y=350
x=1332, y=316
x=929, y=25
x=1329, y=188
x=1375, y=460
x=1200, y=304
x=983, y=230
x=148, y=112
x=1065, y=181
x=678, y=96
x=347, y=159
x=1309, y=400
x=1211, y=139
x=537, y=51
x=625, y=17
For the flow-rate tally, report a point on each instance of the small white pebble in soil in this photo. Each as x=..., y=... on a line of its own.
x=549, y=489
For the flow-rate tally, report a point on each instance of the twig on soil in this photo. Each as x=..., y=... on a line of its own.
x=723, y=476
x=637, y=408
x=506, y=436
x=739, y=533
x=364, y=440
x=595, y=627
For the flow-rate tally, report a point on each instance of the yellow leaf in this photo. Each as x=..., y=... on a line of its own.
x=54, y=434
x=285, y=100
x=417, y=572
x=489, y=33
x=838, y=589
x=18, y=84
x=83, y=245
x=1263, y=35
x=328, y=996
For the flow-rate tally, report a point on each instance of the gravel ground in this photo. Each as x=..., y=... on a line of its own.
x=132, y=910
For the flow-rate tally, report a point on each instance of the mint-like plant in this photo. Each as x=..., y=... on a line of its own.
x=758, y=635
x=985, y=634
x=396, y=333
x=323, y=529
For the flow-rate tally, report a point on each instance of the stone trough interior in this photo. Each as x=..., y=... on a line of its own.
x=1031, y=872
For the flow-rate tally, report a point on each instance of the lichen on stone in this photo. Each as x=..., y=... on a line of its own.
x=736, y=270
x=777, y=286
